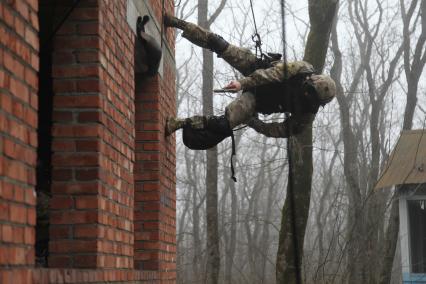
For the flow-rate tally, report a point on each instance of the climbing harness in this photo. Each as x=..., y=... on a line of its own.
x=264, y=58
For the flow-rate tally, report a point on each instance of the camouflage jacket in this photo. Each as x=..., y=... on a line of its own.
x=275, y=74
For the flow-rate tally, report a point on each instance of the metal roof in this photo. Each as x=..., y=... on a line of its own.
x=407, y=163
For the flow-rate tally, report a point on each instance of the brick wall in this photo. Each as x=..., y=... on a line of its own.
x=113, y=200
x=18, y=133
x=155, y=195
x=93, y=139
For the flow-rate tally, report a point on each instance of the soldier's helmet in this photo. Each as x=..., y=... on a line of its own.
x=324, y=87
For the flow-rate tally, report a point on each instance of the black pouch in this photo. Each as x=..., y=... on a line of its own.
x=201, y=139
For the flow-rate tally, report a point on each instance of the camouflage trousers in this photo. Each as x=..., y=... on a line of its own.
x=242, y=109
x=239, y=58
x=239, y=111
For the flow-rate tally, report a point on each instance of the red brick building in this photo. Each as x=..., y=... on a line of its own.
x=80, y=127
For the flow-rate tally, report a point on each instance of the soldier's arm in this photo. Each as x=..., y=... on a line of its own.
x=293, y=125
x=275, y=74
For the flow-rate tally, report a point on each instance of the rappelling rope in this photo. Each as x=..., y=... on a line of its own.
x=256, y=37
x=258, y=43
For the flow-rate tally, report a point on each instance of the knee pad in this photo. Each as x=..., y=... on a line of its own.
x=216, y=43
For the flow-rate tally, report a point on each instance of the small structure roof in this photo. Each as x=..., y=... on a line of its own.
x=407, y=163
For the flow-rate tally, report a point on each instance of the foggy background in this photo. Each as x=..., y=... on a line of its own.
x=353, y=135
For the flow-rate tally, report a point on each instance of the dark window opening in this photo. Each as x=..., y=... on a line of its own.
x=417, y=228
x=44, y=150
x=52, y=15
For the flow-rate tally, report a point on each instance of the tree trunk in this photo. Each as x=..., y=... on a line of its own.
x=391, y=240
x=212, y=246
x=265, y=245
x=196, y=236
x=321, y=13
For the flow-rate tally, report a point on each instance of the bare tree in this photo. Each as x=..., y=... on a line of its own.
x=379, y=65
x=350, y=143
x=321, y=15
x=213, y=254
x=344, y=227
x=414, y=63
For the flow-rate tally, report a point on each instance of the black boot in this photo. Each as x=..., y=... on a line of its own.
x=196, y=122
x=173, y=124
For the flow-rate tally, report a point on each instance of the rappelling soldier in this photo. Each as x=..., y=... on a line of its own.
x=268, y=87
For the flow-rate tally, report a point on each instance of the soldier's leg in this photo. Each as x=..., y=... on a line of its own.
x=200, y=132
x=241, y=59
x=191, y=32
x=218, y=123
x=241, y=110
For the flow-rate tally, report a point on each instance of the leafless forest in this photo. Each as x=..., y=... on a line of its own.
x=230, y=232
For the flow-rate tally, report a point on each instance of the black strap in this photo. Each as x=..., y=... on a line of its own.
x=232, y=156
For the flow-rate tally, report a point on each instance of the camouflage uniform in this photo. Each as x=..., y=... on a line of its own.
x=241, y=59
x=269, y=87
